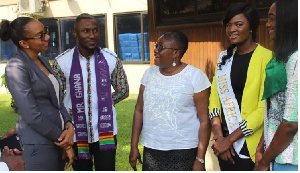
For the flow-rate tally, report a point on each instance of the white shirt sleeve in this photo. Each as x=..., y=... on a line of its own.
x=145, y=77
x=200, y=81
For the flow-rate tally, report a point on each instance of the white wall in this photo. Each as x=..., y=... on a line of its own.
x=6, y=12
x=67, y=8
x=134, y=74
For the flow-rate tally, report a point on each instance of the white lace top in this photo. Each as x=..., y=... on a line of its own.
x=284, y=107
x=170, y=118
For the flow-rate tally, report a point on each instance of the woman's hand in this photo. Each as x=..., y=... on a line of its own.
x=197, y=166
x=261, y=166
x=227, y=156
x=258, y=156
x=220, y=145
x=66, y=137
x=282, y=138
x=9, y=133
x=133, y=157
x=68, y=152
x=259, y=150
x=13, y=159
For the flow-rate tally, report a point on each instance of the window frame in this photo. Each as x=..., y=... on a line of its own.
x=195, y=19
x=58, y=20
x=140, y=13
x=74, y=18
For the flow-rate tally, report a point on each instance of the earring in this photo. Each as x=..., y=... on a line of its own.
x=174, y=63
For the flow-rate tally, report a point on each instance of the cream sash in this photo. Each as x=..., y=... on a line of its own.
x=229, y=103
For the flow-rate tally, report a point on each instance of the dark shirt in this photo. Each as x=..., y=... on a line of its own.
x=238, y=77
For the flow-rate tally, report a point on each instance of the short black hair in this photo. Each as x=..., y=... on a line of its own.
x=179, y=38
x=82, y=16
x=286, y=38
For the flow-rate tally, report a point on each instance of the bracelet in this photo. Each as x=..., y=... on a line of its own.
x=200, y=160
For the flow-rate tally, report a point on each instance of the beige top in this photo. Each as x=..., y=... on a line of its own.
x=56, y=88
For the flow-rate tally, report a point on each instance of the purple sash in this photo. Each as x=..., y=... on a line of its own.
x=105, y=114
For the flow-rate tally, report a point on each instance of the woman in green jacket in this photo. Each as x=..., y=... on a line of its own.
x=279, y=144
x=235, y=109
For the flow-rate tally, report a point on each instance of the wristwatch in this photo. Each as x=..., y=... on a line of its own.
x=200, y=160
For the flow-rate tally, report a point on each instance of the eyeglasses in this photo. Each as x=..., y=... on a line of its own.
x=160, y=47
x=271, y=19
x=42, y=36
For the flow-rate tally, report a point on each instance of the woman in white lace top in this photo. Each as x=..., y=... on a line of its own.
x=172, y=111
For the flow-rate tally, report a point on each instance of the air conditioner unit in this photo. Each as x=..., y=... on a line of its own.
x=29, y=6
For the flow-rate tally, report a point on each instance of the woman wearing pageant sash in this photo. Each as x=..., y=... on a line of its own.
x=279, y=144
x=43, y=124
x=236, y=111
x=172, y=111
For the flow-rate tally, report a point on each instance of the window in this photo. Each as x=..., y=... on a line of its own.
x=178, y=12
x=146, y=37
x=68, y=40
x=8, y=49
x=63, y=40
x=53, y=49
x=132, y=37
x=59, y=41
x=101, y=21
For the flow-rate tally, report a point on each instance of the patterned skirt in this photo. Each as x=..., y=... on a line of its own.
x=171, y=160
